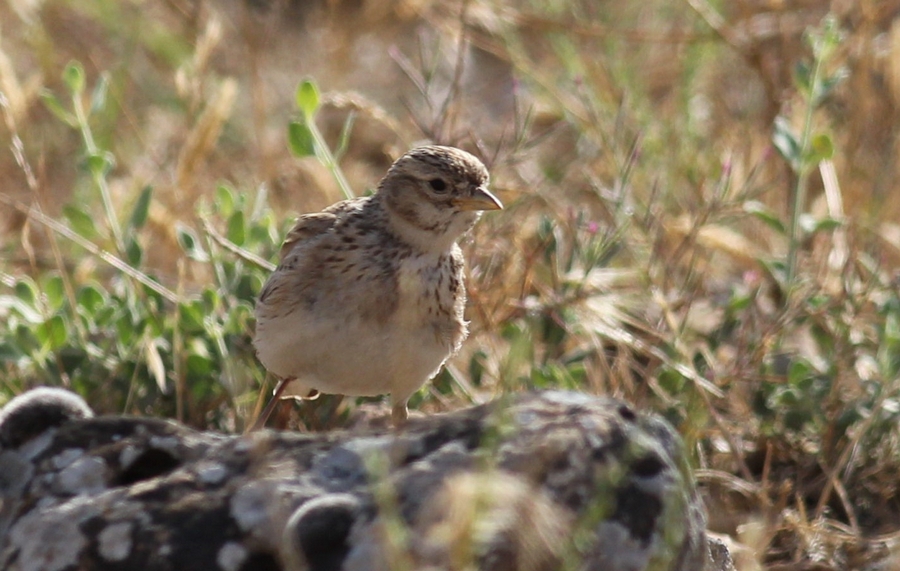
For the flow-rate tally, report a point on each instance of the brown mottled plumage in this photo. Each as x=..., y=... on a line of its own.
x=369, y=295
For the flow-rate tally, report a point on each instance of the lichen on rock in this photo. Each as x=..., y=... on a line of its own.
x=531, y=482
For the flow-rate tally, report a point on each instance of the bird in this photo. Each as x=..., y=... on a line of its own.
x=369, y=295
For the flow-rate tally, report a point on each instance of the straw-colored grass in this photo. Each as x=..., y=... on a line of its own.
x=662, y=242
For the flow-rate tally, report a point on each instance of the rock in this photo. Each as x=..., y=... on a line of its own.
x=530, y=482
x=34, y=412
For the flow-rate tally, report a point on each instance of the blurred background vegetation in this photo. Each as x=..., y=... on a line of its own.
x=702, y=218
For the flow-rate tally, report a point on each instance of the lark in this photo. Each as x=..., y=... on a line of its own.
x=369, y=296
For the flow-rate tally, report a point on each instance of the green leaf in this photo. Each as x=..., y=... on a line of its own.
x=104, y=314
x=786, y=142
x=190, y=316
x=98, y=96
x=739, y=302
x=224, y=200
x=55, y=107
x=52, y=333
x=199, y=362
x=477, y=367
x=308, y=98
x=237, y=228
x=803, y=77
x=141, y=208
x=199, y=365
x=26, y=290
x=301, y=140
x=762, y=212
x=81, y=221
x=889, y=349
x=26, y=339
x=211, y=297
x=100, y=163
x=73, y=76
x=821, y=148
x=258, y=234
x=800, y=373
x=776, y=270
x=672, y=381
x=189, y=242
x=134, y=253
x=90, y=298
x=9, y=353
x=55, y=292
x=126, y=330
x=812, y=225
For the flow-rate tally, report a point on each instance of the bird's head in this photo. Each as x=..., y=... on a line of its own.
x=435, y=194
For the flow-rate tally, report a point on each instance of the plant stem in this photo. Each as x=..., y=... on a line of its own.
x=327, y=157
x=99, y=178
x=799, y=194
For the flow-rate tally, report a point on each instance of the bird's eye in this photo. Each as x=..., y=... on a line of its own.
x=438, y=185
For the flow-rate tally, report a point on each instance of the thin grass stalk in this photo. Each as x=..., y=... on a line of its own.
x=107, y=257
x=99, y=177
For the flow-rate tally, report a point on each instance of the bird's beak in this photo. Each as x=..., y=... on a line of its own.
x=481, y=199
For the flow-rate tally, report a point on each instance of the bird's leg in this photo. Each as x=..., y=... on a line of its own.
x=399, y=414
x=270, y=406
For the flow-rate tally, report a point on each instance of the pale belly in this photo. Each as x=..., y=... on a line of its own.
x=353, y=358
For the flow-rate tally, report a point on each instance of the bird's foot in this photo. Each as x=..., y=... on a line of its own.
x=399, y=414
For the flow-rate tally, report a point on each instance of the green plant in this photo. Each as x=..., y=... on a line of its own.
x=128, y=343
x=305, y=138
x=653, y=247
x=804, y=152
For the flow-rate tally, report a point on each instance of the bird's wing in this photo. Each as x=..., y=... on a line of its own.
x=307, y=226
x=315, y=224
x=300, y=243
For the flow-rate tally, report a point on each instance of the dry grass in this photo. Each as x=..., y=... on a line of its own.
x=638, y=257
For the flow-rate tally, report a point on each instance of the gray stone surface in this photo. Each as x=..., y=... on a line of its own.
x=531, y=482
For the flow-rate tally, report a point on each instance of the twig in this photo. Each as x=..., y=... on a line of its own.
x=243, y=254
